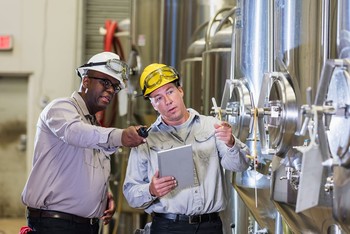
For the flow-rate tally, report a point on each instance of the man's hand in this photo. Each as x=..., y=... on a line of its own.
x=131, y=138
x=161, y=186
x=223, y=132
x=108, y=213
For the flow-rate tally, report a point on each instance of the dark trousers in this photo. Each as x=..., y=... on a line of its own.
x=165, y=226
x=42, y=225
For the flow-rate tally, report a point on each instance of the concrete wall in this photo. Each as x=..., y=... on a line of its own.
x=47, y=49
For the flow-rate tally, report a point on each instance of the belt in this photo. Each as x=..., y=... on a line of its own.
x=38, y=213
x=191, y=219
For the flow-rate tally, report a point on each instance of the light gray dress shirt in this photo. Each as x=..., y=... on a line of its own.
x=71, y=163
x=211, y=156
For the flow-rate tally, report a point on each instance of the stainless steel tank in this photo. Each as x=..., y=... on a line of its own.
x=330, y=119
x=161, y=30
x=299, y=56
x=251, y=58
x=339, y=129
x=343, y=29
x=217, y=58
x=191, y=70
x=300, y=52
x=216, y=65
x=298, y=60
x=330, y=115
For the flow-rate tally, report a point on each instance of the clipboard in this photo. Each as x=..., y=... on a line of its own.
x=177, y=162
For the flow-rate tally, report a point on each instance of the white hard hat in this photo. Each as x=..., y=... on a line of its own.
x=108, y=63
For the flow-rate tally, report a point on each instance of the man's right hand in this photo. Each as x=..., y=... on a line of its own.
x=161, y=186
x=131, y=138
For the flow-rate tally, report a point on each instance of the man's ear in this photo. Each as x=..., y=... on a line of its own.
x=181, y=91
x=85, y=81
x=154, y=107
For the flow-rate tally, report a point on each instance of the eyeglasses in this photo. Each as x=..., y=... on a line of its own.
x=107, y=84
x=155, y=78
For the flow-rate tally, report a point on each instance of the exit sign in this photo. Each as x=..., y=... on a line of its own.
x=6, y=42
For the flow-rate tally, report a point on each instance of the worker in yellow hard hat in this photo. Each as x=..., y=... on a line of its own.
x=189, y=205
x=155, y=76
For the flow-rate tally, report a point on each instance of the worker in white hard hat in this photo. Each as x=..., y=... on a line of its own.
x=67, y=189
x=191, y=205
x=107, y=69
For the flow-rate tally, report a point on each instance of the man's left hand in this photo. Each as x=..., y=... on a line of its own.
x=223, y=132
x=109, y=212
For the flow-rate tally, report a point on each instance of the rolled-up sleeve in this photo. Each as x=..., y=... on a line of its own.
x=234, y=158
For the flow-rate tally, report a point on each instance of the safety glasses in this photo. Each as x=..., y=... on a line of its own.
x=115, y=65
x=156, y=77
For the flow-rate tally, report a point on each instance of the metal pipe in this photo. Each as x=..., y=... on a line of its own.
x=270, y=36
x=278, y=224
x=343, y=29
x=233, y=50
x=325, y=30
x=241, y=215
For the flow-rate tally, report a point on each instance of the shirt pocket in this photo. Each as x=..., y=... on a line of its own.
x=93, y=159
x=157, y=148
x=154, y=149
x=205, y=145
x=160, y=143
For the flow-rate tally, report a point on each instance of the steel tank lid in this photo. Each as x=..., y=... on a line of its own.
x=222, y=39
x=196, y=49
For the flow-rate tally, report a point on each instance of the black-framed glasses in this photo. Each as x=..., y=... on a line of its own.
x=107, y=84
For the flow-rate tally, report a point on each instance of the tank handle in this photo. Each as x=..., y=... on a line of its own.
x=198, y=30
x=230, y=10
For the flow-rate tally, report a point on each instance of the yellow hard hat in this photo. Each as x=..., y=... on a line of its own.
x=156, y=75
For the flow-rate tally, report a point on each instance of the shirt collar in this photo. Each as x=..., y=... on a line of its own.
x=194, y=116
x=81, y=103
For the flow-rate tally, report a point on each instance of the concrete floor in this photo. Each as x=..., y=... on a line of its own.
x=11, y=226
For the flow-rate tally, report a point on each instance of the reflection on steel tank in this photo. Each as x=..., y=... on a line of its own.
x=300, y=51
x=251, y=58
x=339, y=128
x=279, y=52
x=191, y=70
x=161, y=30
x=329, y=148
x=217, y=57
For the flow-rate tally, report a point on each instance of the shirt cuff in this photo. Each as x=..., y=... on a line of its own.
x=148, y=198
x=115, y=138
x=236, y=146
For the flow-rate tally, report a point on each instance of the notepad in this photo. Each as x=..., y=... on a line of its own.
x=177, y=162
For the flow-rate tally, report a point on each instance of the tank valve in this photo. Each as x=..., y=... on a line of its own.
x=328, y=187
x=292, y=175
